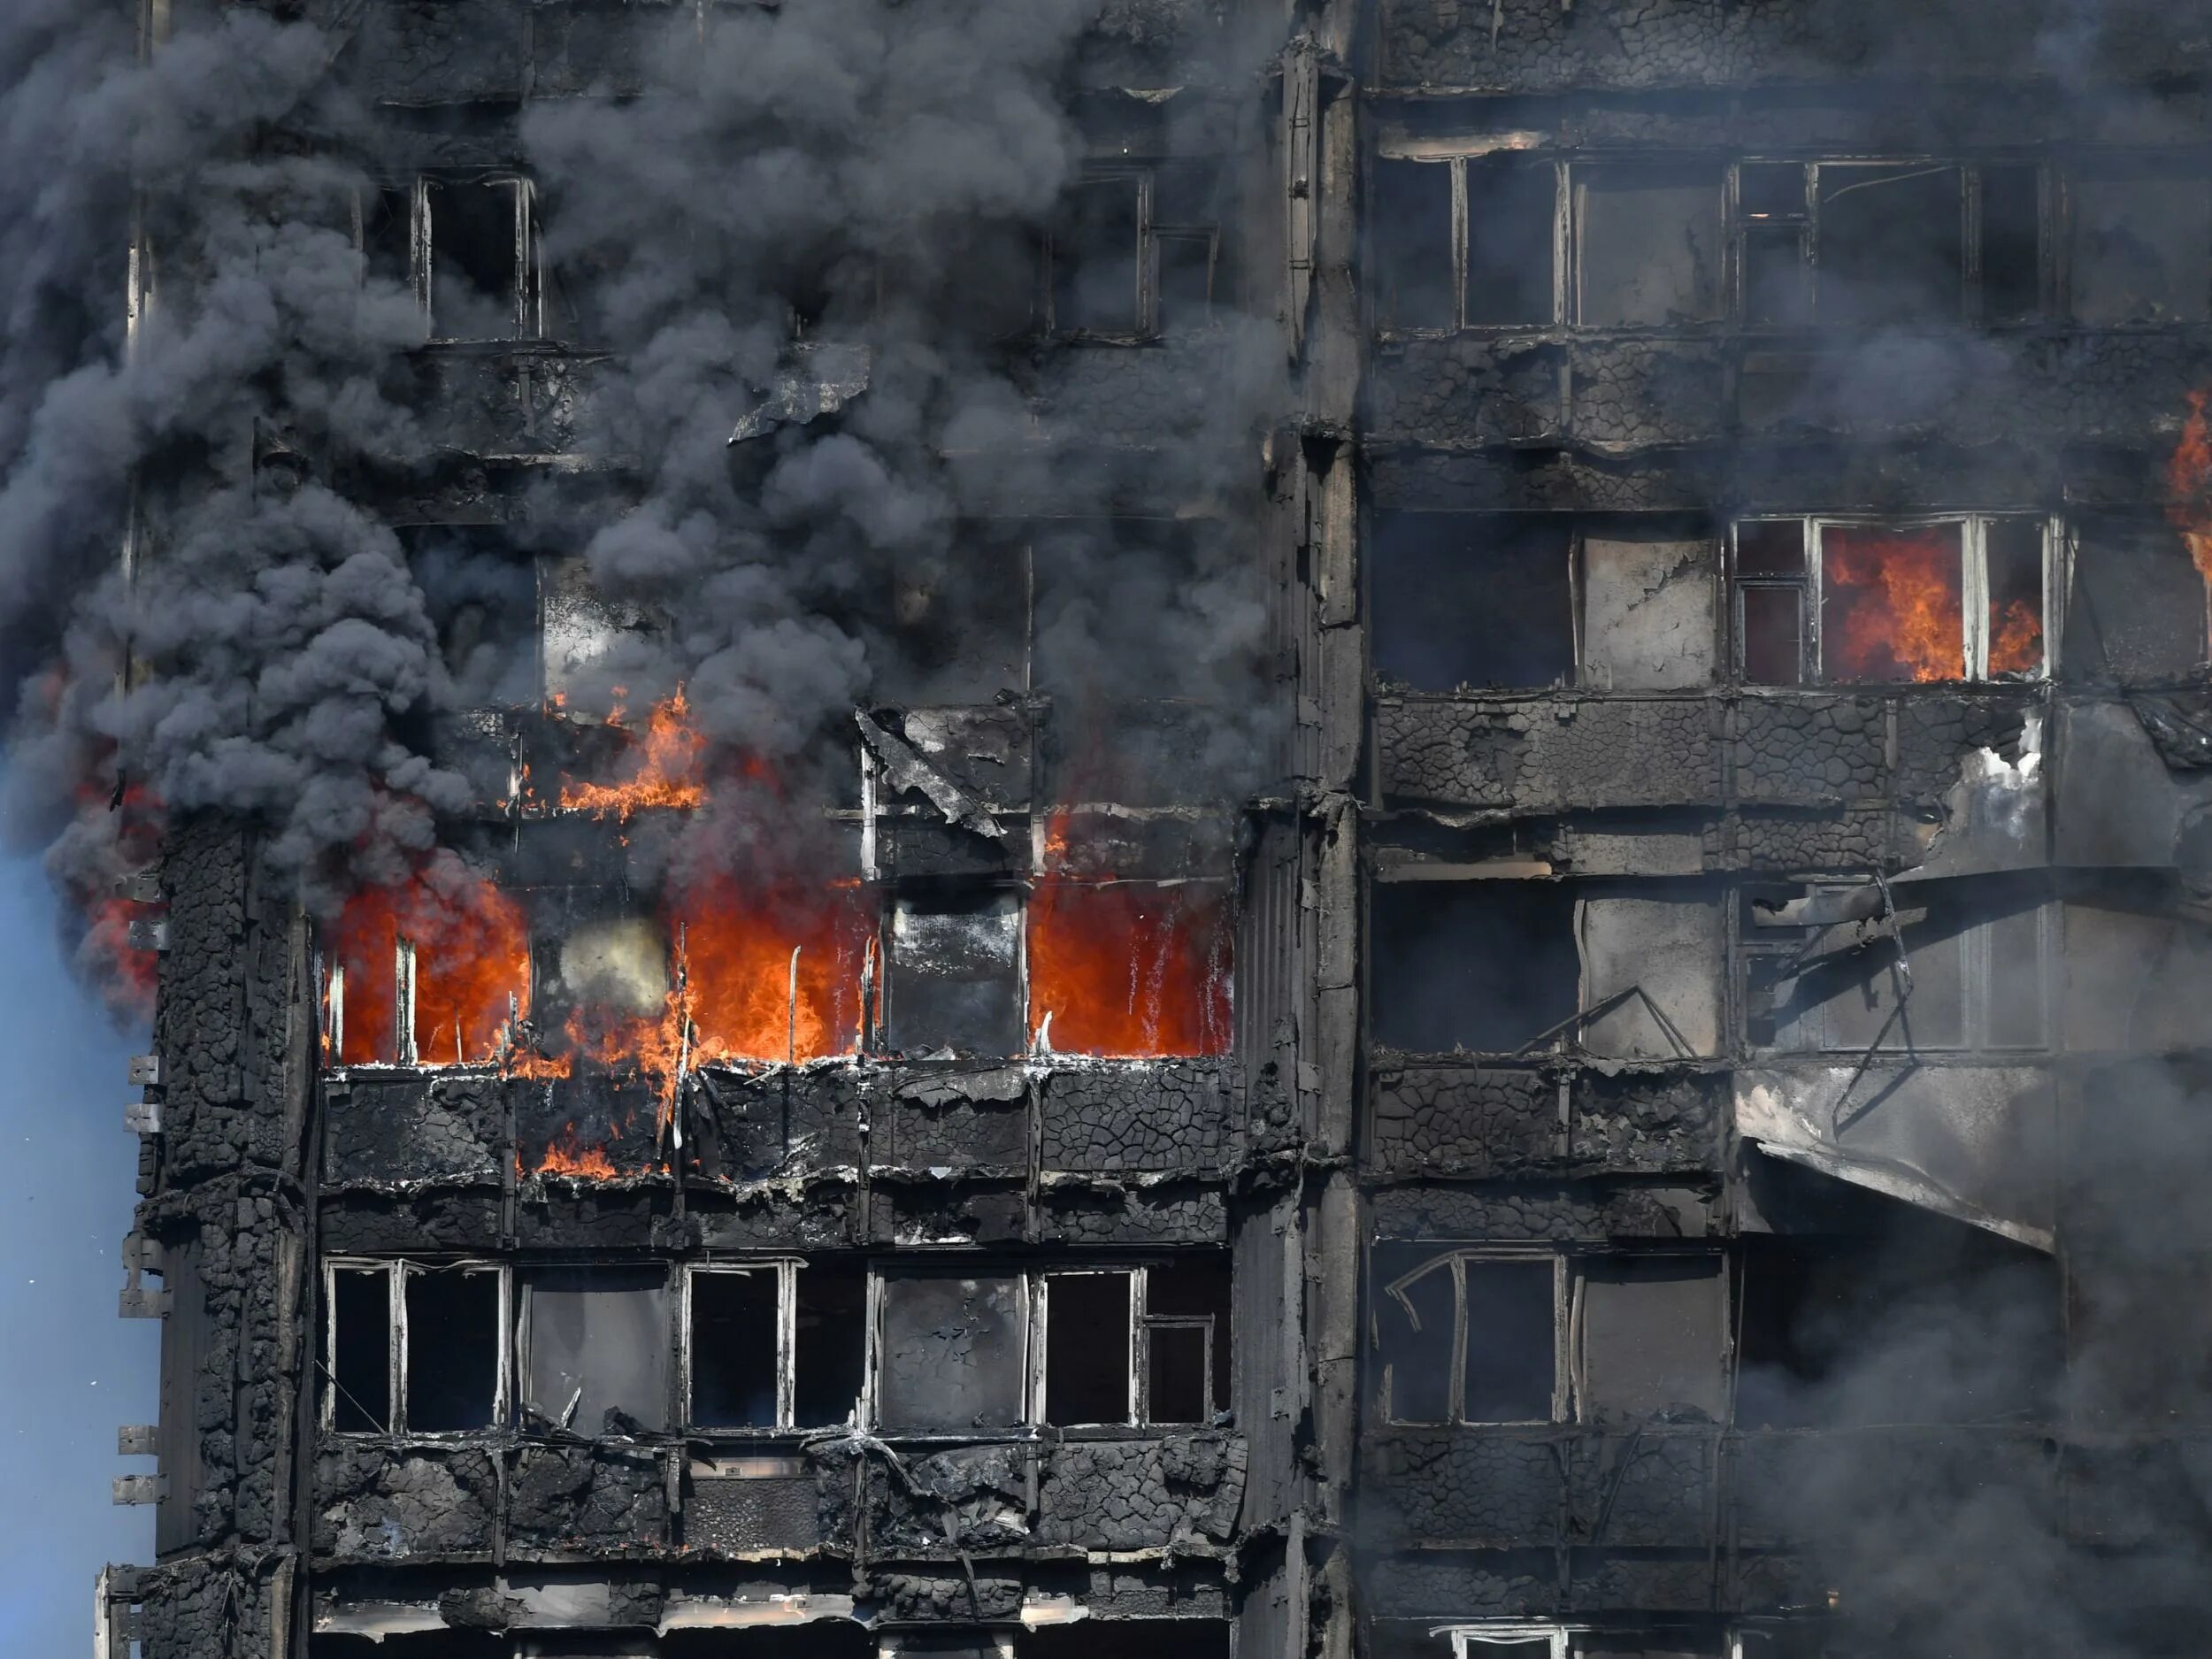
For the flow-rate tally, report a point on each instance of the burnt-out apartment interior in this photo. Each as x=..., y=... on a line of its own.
x=1625, y=1076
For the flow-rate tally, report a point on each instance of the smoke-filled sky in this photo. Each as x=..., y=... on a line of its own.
x=70, y=1371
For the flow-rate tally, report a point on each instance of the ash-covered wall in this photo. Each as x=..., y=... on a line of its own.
x=1007, y=830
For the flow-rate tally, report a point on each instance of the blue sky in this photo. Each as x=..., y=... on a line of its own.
x=70, y=1371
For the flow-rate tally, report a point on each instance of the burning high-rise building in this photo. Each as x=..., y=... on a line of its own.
x=1377, y=830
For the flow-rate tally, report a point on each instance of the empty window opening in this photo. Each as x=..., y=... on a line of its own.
x=358, y=1346
x=453, y=1349
x=480, y=259
x=1512, y=233
x=1892, y=243
x=1649, y=246
x=1466, y=1338
x=1097, y=265
x=830, y=1342
x=2011, y=243
x=1484, y=966
x=956, y=974
x=1472, y=599
x=1088, y=1337
x=1096, y=1638
x=737, y=1348
x=2136, y=612
x=2141, y=249
x=1775, y=212
x=953, y=1352
x=1918, y=1320
x=1189, y=207
x=776, y=1344
x=594, y=1350
x=1653, y=1330
x=1142, y=1345
x=1409, y=241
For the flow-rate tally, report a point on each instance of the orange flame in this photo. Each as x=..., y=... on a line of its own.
x=667, y=772
x=471, y=967
x=2189, y=485
x=1126, y=969
x=1891, y=605
x=2016, y=641
x=565, y=1156
x=128, y=976
x=745, y=1002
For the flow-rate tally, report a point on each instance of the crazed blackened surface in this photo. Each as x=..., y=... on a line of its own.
x=589, y=1498
x=1180, y=1489
x=969, y=1498
x=1106, y=1212
x=1649, y=1488
x=1504, y=1213
x=751, y=1514
x=1478, y=1121
x=379, y=1224
x=1811, y=749
x=1166, y=1115
x=973, y=1122
x=949, y=1597
x=781, y=1122
x=1485, y=1583
x=1659, y=1119
x=375, y=1501
x=1631, y=393
x=1534, y=755
x=410, y=1128
x=1934, y=733
x=1464, y=1486
x=1466, y=390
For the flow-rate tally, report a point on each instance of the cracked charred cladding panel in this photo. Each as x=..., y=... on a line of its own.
x=593, y=1349
x=956, y=974
x=1887, y=1314
x=952, y=1353
x=1485, y=967
x=1112, y=1639
x=1648, y=245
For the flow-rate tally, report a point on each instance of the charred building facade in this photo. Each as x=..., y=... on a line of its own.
x=1436, y=884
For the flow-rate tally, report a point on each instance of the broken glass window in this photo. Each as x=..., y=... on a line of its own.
x=2012, y=243
x=1186, y=1326
x=1414, y=1327
x=1465, y=1338
x=2142, y=246
x=955, y=974
x=479, y=260
x=1088, y=1333
x=1096, y=267
x=1472, y=599
x=829, y=1343
x=453, y=1336
x=359, y=1343
x=1776, y=240
x=1654, y=1330
x=1512, y=233
x=1511, y=1334
x=1433, y=994
x=952, y=1354
x=1892, y=603
x=1892, y=242
x=1648, y=246
x=2137, y=608
x=736, y=1346
x=593, y=1349
x=1410, y=238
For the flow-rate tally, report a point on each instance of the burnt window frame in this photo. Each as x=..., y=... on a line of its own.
x=1975, y=945
x=527, y=299
x=396, y=1272
x=1150, y=233
x=1741, y=225
x=1142, y=1323
x=405, y=1056
x=1973, y=592
x=786, y=1269
x=1563, y=258
x=1569, y=1269
x=1032, y=1324
x=522, y=1278
x=1455, y=1258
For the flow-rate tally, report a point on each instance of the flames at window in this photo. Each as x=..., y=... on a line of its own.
x=1893, y=606
x=471, y=970
x=2189, y=485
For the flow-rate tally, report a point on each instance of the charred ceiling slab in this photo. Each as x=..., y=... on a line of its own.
x=388, y=1126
